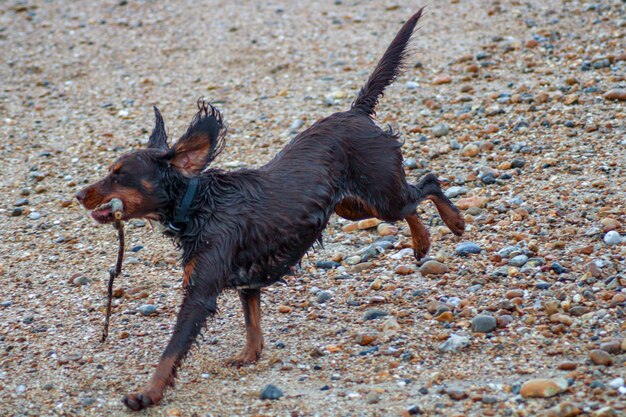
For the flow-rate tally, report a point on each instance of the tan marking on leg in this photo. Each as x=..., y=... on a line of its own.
x=419, y=236
x=188, y=270
x=353, y=208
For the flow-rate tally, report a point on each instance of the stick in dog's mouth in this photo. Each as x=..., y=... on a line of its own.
x=117, y=208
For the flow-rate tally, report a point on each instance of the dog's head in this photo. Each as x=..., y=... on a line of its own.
x=137, y=178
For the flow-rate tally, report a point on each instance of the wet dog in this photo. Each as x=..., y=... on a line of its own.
x=245, y=229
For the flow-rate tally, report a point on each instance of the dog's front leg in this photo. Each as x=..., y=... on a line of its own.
x=198, y=304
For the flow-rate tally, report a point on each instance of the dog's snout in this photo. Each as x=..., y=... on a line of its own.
x=80, y=196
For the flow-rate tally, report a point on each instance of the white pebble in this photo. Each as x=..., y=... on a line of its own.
x=612, y=238
x=616, y=383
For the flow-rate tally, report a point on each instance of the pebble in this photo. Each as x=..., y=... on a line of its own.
x=374, y=313
x=271, y=392
x=410, y=163
x=519, y=260
x=34, y=215
x=433, y=268
x=80, y=280
x=616, y=383
x=454, y=343
x=615, y=94
x=466, y=248
x=457, y=394
x=453, y=192
x=544, y=388
x=472, y=202
x=612, y=238
x=605, y=412
x=442, y=79
x=324, y=296
x=609, y=224
x=470, y=150
x=147, y=309
x=565, y=409
x=483, y=323
x=366, y=337
x=404, y=269
x=21, y=202
x=440, y=129
x=600, y=357
x=327, y=264
x=17, y=211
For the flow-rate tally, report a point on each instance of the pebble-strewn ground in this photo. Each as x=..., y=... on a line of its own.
x=520, y=106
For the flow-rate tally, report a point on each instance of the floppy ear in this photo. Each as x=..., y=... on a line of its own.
x=202, y=142
x=158, y=138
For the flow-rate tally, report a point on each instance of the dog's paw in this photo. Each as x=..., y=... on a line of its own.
x=457, y=226
x=420, y=248
x=244, y=358
x=139, y=401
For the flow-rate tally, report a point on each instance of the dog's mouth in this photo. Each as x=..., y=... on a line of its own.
x=103, y=214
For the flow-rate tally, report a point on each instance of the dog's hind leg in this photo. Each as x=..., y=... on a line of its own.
x=429, y=188
x=251, y=304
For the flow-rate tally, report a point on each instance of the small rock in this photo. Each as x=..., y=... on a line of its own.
x=616, y=383
x=21, y=202
x=80, y=280
x=470, y=150
x=457, y=394
x=483, y=324
x=374, y=313
x=471, y=202
x=455, y=343
x=605, y=412
x=453, y=192
x=600, y=357
x=285, y=309
x=147, y=309
x=433, y=268
x=34, y=215
x=609, y=224
x=543, y=388
x=466, y=248
x=366, y=337
x=615, y=94
x=324, y=296
x=368, y=223
x=442, y=79
x=403, y=269
x=410, y=163
x=441, y=129
x=611, y=238
x=413, y=410
x=327, y=264
x=519, y=260
x=271, y=392
x=565, y=409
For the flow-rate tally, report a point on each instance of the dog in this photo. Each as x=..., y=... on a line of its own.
x=245, y=229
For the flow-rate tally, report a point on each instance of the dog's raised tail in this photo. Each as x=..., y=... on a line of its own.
x=388, y=68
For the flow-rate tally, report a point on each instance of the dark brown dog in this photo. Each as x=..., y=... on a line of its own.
x=245, y=229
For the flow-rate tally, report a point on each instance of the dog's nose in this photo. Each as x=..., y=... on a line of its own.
x=80, y=196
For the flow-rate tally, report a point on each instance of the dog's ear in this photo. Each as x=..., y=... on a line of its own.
x=202, y=142
x=158, y=138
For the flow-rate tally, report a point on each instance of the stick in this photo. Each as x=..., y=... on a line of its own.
x=117, y=208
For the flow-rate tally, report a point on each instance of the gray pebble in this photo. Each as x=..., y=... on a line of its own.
x=412, y=85
x=456, y=191
x=80, y=280
x=324, y=296
x=519, y=260
x=34, y=216
x=21, y=202
x=17, y=211
x=271, y=392
x=612, y=238
x=466, y=248
x=454, y=343
x=441, y=129
x=410, y=163
x=483, y=323
x=147, y=309
x=374, y=313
